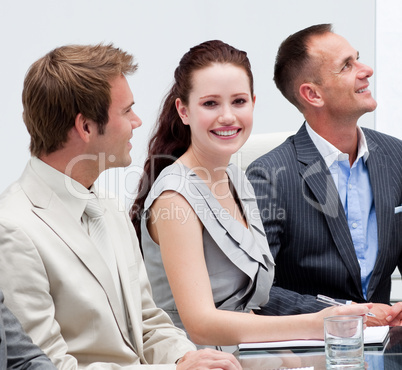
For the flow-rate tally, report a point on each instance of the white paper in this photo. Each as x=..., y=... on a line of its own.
x=372, y=335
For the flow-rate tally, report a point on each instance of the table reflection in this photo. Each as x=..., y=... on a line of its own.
x=376, y=358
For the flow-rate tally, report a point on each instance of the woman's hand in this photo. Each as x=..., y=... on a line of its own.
x=352, y=309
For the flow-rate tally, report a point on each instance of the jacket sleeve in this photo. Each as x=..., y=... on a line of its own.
x=19, y=351
x=272, y=204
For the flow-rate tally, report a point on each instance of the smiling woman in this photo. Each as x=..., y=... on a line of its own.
x=199, y=190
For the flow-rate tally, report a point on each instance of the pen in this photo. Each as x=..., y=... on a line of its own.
x=331, y=302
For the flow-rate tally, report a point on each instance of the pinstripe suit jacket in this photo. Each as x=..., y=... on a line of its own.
x=306, y=226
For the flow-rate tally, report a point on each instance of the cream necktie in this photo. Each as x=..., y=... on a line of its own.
x=98, y=232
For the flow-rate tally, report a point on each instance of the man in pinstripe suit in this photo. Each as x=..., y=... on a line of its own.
x=330, y=196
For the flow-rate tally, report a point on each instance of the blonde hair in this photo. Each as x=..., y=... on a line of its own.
x=69, y=80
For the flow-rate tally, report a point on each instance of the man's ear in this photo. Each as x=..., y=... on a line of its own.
x=84, y=127
x=182, y=110
x=310, y=94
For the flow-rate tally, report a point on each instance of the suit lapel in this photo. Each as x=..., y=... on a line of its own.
x=318, y=179
x=131, y=293
x=380, y=179
x=49, y=208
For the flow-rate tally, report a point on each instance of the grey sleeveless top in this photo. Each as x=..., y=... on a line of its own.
x=238, y=259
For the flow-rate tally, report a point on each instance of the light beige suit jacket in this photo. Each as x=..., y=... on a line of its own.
x=57, y=284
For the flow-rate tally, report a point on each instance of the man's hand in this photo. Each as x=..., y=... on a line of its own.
x=386, y=315
x=208, y=359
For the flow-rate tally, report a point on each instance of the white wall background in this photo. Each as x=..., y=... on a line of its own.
x=158, y=33
x=389, y=71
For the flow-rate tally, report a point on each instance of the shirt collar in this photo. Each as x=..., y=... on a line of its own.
x=331, y=154
x=71, y=193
